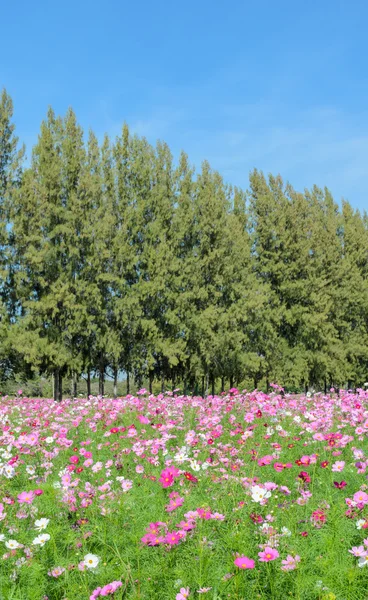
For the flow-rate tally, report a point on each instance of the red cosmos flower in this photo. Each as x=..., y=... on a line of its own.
x=340, y=485
x=304, y=533
x=257, y=519
x=324, y=464
x=304, y=476
x=79, y=470
x=318, y=517
x=259, y=414
x=190, y=477
x=210, y=441
x=114, y=430
x=38, y=492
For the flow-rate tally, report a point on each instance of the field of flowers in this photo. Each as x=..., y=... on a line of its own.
x=241, y=496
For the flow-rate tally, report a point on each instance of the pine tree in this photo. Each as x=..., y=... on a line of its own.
x=11, y=159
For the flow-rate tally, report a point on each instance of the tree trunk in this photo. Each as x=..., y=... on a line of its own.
x=56, y=384
x=162, y=383
x=128, y=383
x=255, y=381
x=150, y=382
x=207, y=385
x=231, y=381
x=60, y=387
x=115, y=383
x=74, y=385
x=202, y=394
x=325, y=386
x=222, y=383
x=101, y=382
x=213, y=386
x=88, y=383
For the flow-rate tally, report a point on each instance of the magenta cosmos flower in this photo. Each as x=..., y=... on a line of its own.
x=268, y=554
x=243, y=562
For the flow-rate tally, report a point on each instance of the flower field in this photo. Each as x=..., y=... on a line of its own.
x=241, y=496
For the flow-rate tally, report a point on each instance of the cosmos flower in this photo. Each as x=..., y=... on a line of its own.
x=243, y=562
x=91, y=561
x=268, y=554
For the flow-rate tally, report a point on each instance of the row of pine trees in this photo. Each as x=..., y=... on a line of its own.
x=116, y=259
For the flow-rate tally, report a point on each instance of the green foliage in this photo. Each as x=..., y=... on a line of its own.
x=115, y=260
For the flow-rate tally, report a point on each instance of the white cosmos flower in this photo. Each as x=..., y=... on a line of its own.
x=12, y=544
x=91, y=561
x=30, y=470
x=360, y=523
x=180, y=457
x=41, y=524
x=363, y=561
x=8, y=471
x=286, y=531
x=41, y=540
x=194, y=465
x=259, y=494
x=49, y=440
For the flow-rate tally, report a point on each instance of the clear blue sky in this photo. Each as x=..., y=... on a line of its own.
x=275, y=84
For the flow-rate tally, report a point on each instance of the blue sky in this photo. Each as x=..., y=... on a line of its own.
x=277, y=85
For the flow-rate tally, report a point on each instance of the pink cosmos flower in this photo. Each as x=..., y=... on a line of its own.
x=184, y=593
x=278, y=466
x=290, y=563
x=187, y=525
x=358, y=551
x=265, y=460
x=25, y=498
x=268, y=554
x=167, y=476
x=360, y=498
x=174, y=504
x=218, y=516
x=110, y=588
x=142, y=419
x=338, y=466
x=243, y=562
x=56, y=572
x=126, y=485
x=172, y=538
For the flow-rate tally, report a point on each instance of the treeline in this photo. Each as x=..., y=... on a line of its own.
x=114, y=258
